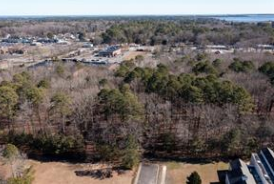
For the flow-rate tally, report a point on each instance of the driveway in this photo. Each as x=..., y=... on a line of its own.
x=150, y=174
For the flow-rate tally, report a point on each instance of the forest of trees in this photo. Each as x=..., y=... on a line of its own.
x=146, y=30
x=191, y=105
x=208, y=111
x=199, y=33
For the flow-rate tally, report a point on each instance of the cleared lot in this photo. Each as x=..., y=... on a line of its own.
x=64, y=173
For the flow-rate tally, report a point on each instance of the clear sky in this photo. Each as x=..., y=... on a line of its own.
x=134, y=7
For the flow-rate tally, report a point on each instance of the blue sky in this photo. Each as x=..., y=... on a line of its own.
x=134, y=7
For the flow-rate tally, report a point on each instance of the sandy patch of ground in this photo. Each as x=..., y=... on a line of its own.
x=178, y=172
x=64, y=173
x=5, y=171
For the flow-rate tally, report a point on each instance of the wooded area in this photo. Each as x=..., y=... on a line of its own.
x=192, y=105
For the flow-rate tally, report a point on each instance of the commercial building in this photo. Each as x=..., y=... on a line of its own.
x=111, y=51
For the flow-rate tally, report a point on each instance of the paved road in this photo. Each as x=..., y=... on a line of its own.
x=148, y=174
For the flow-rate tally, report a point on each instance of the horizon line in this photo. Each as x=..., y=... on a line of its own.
x=122, y=15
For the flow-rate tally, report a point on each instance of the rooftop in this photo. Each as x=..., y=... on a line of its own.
x=111, y=49
x=239, y=173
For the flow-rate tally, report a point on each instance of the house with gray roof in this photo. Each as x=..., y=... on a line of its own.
x=260, y=170
x=239, y=173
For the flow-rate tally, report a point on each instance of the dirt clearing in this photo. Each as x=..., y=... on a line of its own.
x=64, y=173
x=132, y=54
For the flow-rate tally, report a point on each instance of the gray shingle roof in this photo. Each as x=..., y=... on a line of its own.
x=239, y=173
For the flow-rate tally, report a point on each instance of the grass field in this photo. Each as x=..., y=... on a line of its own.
x=177, y=172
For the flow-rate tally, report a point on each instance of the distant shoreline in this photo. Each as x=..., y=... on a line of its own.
x=223, y=17
x=143, y=15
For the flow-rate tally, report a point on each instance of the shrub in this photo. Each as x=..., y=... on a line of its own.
x=241, y=66
x=268, y=70
x=56, y=145
x=204, y=67
x=194, y=178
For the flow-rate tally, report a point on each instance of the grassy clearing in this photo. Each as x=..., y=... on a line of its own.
x=173, y=165
x=179, y=171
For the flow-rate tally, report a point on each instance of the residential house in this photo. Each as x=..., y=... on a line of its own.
x=239, y=173
x=259, y=171
x=263, y=163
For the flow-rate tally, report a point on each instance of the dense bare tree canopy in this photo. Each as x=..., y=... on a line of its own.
x=163, y=103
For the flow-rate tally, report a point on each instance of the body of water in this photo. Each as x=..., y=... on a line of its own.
x=230, y=18
x=246, y=18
